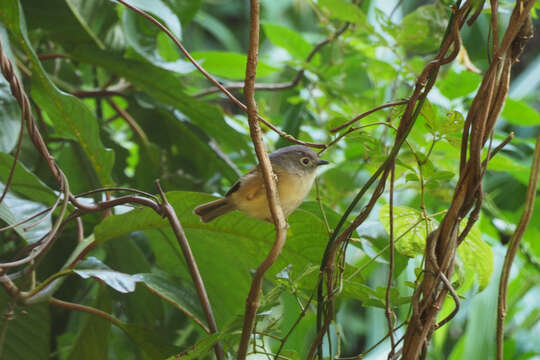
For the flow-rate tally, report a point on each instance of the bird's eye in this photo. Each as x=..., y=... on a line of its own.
x=305, y=160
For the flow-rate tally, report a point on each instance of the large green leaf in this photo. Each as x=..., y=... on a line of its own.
x=422, y=30
x=343, y=10
x=165, y=87
x=230, y=65
x=176, y=291
x=63, y=21
x=217, y=246
x=519, y=113
x=409, y=229
x=142, y=35
x=27, y=334
x=288, y=39
x=93, y=267
x=410, y=236
x=457, y=84
x=10, y=115
x=13, y=210
x=477, y=256
x=71, y=117
x=83, y=10
x=93, y=338
x=24, y=182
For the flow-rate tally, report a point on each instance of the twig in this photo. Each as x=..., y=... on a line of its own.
x=87, y=309
x=424, y=84
x=130, y=121
x=302, y=314
x=214, y=81
x=513, y=246
x=53, y=56
x=389, y=313
x=369, y=112
x=284, y=85
x=252, y=301
x=6, y=317
x=97, y=93
x=168, y=211
x=443, y=244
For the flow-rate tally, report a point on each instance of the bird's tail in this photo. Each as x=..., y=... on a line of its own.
x=213, y=209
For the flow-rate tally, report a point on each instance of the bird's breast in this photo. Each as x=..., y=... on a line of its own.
x=293, y=189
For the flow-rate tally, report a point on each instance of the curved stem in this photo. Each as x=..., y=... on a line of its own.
x=252, y=301
x=514, y=246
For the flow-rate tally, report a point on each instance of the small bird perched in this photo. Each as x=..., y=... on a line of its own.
x=295, y=168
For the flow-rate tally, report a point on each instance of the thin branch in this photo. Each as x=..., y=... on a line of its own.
x=284, y=85
x=43, y=57
x=513, y=246
x=369, y=112
x=252, y=301
x=214, y=81
x=87, y=309
x=302, y=314
x=388, y=306
x=97, y=93
x=135, y=127
x=168, y=211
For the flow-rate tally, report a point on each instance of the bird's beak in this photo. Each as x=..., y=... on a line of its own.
x=322, y=162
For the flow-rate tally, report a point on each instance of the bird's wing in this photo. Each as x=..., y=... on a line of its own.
x=251, y=184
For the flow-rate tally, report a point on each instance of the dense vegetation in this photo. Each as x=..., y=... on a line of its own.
x=118, y=105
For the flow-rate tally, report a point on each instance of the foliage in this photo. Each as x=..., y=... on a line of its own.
x=117, y=105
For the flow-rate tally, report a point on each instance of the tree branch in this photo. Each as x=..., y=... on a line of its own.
x=252, y=301
x=170, y=214
x=214, y=81
x=513, y=246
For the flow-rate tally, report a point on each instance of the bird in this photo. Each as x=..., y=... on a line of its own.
x=295, y=168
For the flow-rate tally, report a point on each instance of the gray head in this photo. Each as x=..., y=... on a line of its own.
x=297, y=158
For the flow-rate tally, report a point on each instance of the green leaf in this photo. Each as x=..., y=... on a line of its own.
x=230, y=65
x=294, y=116
x=219, y=30
x=25, y=183
x=216, y=246
x=13, y=210
x=149, y=41
x=452, y=124
x=176, y=291
x=202, y=348
x=458, y=84
x=287, y=39
x=169, y=90
x=151, y=342
x=72, y=160
x=519, y=113
x=343, y=10
x=57, y=22
x=93, y=267
x=423, y=29
x=186, y=10
x=409, y=229
x=93, y=339
x=430, y=115
x=161, y=10
x=71, y=117
x=27, y=334
x=77, y=8
x=10, y=116
x=476, y=256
